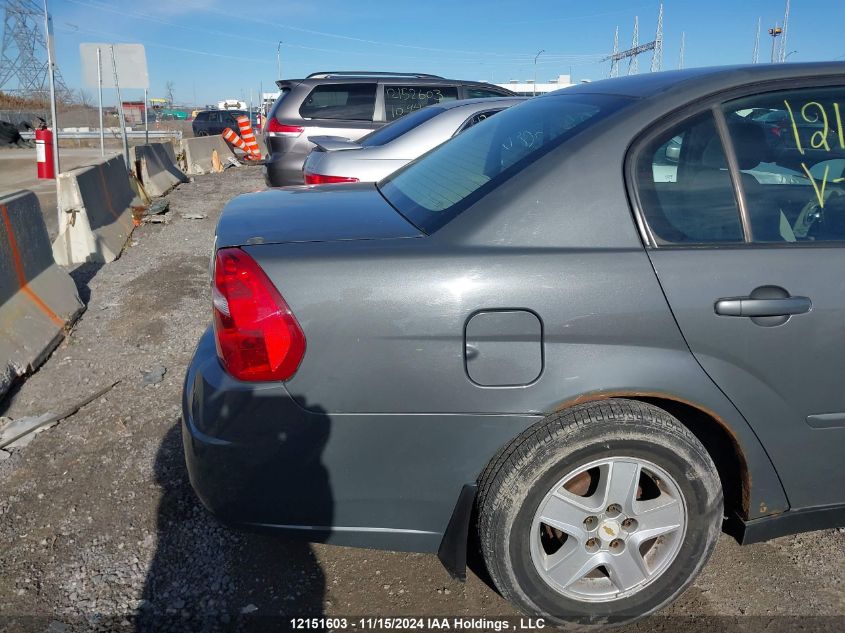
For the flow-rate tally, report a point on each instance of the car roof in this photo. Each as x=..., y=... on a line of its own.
x=376, y=78
x=705, y=79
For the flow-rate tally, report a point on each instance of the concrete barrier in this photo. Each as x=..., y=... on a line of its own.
x=38, y=300
x=96, y=219
x=196, y=154
x=155, y=167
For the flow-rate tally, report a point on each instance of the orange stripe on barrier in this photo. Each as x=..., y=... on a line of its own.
x=21, y=274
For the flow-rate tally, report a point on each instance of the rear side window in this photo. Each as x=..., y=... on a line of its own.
x=351, y=102
x=795, y=185
x=685, y=187
x=477, y=118
x=394, y=130
x=441, y=184
x=201, y=116
x=400, y=100
x=481, y=93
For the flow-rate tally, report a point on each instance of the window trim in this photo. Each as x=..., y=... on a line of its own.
x=734, y=171
x=713, y=102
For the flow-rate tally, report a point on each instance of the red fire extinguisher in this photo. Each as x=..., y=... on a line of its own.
x=44, y=152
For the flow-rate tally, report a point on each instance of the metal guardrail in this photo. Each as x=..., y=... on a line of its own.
x=110, y=133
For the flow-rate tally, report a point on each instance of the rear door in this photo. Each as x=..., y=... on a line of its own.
x=747, y=233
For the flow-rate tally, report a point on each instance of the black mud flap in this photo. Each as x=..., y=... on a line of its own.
x=453, y=548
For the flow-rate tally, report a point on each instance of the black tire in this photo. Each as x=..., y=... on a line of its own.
x=519, y=477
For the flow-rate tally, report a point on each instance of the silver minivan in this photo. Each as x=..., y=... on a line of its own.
x=350, y=105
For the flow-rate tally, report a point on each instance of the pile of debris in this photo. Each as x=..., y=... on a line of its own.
x=10, y=134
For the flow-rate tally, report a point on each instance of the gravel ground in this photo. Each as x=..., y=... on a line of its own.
x=99, y=528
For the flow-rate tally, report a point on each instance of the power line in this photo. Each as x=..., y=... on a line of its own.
x=513, y=58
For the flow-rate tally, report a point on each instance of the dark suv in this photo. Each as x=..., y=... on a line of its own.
x=349, y=104
x=213, y=122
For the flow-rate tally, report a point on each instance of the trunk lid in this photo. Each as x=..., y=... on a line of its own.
x=333, y=143
x=311, y=214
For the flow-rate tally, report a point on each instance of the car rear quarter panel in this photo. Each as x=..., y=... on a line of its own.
x=384, y=319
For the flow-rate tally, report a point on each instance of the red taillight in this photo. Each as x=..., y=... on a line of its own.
x=274, y=128
x=776, y=131
x=320, y=179
x=257, y=336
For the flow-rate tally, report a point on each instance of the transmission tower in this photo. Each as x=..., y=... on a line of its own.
x=657, y=55
x=783, y=53
x=756, y=55
x=614, y=63
x=681, y=55
x=23, y=53
x=633, y=63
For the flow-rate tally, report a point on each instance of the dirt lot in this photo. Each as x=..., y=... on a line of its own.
x=99, y=528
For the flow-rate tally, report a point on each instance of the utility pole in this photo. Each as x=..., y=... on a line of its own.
x=782, y=57
x=279, y=59
x=614, y=62
x=756, y=55
x=774, y=32
x=633, y=63
x=100, y=100
x=535, y=70
x=657, y=55
x=681, y=56
x=51, y=57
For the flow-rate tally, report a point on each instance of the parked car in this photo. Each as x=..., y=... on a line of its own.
x=350, y=105
x=335, y=159
x=528, y=335
x=213, y=122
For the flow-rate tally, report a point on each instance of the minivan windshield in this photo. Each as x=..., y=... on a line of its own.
x=397, y=128
x=442, y=183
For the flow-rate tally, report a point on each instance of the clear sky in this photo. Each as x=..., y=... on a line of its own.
x=217, y=49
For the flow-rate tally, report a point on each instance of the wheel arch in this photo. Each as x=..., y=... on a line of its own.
x=715, y=434
x=736, y=453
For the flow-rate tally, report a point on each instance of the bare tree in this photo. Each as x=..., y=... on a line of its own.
x=84, y=98
x=168, y=89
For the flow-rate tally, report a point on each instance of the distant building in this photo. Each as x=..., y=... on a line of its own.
x=527, y=88
x=134, y=112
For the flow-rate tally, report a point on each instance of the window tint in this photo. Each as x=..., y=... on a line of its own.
x=793, y=163
x=439, y=185
x=214, y=116
x=394, y=130
x=685, y=187
x=201, y=116
x=400, y=100
x=481, y=93
x=354, y=102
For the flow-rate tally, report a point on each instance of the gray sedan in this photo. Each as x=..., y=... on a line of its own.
x=586, y=336
x=336, y=159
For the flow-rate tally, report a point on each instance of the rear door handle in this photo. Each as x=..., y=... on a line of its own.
x=751, y=307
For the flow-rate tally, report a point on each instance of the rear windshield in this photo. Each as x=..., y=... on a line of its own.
x=439, y=185
x=397, y=128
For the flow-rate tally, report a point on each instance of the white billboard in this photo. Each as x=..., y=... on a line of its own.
x=130, y=59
